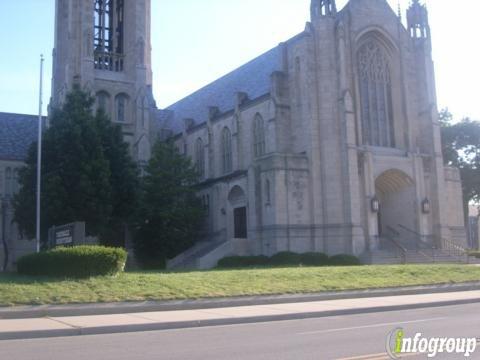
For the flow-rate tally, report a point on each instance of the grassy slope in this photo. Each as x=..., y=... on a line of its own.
x=17, y=290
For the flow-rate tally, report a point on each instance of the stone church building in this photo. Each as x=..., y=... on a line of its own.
x=329, y=142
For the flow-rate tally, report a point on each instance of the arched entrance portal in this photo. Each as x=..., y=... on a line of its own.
x=238, y=202
x=397, y=215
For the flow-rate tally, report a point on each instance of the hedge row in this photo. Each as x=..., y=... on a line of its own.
x=74, y=262
x=289, y=259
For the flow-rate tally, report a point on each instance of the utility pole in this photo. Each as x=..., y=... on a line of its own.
x=39, y=156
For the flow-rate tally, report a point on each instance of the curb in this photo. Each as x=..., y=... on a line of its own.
x=27, y=312
x=218, y=322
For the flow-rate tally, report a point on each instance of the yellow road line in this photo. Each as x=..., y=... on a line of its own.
x=382, y=356
x=364, y=357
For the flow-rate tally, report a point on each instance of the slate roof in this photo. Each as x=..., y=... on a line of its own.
x=17, y=133
x=252, y=78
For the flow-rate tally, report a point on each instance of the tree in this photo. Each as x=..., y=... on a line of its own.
x=461, y=148
x=170, y=214
x=82, y=179
x=123, y=180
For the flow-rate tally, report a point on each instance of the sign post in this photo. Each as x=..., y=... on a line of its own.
x=39, y=156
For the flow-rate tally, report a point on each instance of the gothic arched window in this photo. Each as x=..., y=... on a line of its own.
x=200, y=158
x=103, y=23
x=108, y=36
x=258, y=136
x=121, y=103
x=103, y=101
x=267, y=192
x=376, y=95
x=144, y=112
x=226, y=151
x=15, y=181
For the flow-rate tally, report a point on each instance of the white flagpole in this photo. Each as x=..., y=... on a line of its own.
x=39, y=155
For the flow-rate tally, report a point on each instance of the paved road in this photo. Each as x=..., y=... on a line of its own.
x=353, y=337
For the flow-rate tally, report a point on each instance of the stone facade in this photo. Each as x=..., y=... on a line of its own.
x=104, y=46
x=17, y=244
x=17, y=132
x=329, y=142
x=350, y=123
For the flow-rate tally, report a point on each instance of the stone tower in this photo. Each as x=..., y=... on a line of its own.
x=322, y=8
x=104, y=46
x=429, y=125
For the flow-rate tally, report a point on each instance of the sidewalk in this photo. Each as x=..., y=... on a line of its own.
x=161, y=320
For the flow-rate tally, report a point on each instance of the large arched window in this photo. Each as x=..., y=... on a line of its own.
x=258, y=136
x=121, y=105
x=200, y=158
x=108, y=36
x=376, y=95
x=226, y=151
x=103, y=24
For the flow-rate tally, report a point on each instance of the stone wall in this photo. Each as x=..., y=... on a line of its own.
x=18, y=245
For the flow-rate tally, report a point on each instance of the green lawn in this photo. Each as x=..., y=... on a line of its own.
x=17, y=290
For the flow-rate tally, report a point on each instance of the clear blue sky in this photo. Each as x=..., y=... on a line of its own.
x=195, y=42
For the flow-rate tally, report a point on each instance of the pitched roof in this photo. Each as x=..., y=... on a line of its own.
x=252, y=78
x=17, y=133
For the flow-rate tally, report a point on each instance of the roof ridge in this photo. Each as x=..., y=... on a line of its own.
x=18, y=114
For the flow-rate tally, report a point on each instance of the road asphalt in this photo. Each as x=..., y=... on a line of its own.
x=162, y=320
x=352, y=337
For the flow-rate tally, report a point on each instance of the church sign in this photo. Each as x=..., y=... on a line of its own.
x=67, y=235
x=64, y=237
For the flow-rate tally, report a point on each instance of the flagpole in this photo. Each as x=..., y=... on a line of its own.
x=39, y=155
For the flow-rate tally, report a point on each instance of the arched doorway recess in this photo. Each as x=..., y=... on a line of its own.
x=397, y=214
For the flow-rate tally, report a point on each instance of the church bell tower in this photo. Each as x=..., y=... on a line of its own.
x=104, y=46
x=319, y=8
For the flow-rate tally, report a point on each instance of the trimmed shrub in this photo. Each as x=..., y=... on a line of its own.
x=243, y=261
x=314, y=259
x=344, y=260
x=474, y=254
x=74, y=262
x=285, y=258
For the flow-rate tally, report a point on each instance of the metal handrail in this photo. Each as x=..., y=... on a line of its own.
x=397, y=245
x=420, y=236
x=451, y=246
x=422, y=246
x=394, y=231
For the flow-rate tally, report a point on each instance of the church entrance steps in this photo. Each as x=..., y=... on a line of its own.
x=187, y=259
x=205, y=255
x=423, y=256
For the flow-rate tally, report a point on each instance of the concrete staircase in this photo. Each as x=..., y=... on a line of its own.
x=401, y=245
x=383, y=257
x=188, y=259
x=430, y=256
x=205, y=255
